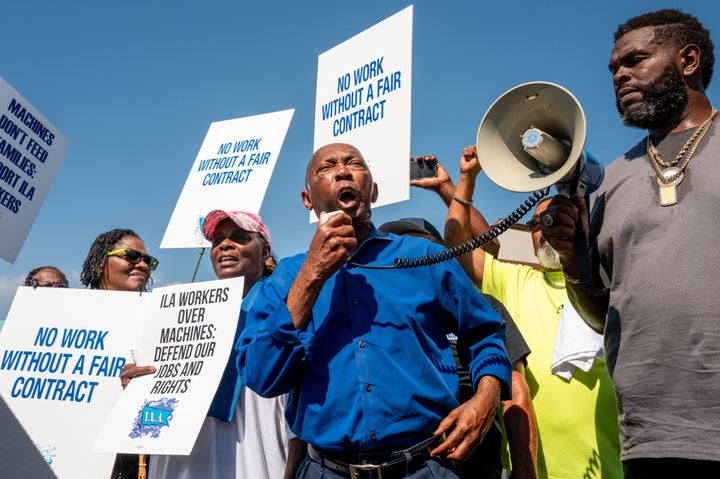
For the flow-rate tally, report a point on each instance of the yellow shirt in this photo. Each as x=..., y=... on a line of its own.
x=577, y=420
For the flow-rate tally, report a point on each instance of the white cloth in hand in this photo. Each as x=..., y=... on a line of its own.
x=576, y=344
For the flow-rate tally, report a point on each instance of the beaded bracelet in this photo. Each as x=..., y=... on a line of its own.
x=462, y=201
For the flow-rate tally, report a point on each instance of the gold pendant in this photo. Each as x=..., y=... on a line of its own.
x=670, y=178
x=668, y=195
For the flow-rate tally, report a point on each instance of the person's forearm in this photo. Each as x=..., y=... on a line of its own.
x=301, y=297
x=469, y=218
x=592, y=308
x=296, y=453
x=446, y=191
x=521, y=430
x=459, y=229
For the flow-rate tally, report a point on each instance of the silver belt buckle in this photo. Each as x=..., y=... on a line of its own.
x=365, y=471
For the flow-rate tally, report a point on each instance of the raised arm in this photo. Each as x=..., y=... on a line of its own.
x=458, y=222
x=443, y=186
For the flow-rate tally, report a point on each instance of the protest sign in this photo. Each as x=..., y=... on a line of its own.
x=31, y=151
x=188, y=338
x=61, y=355
x=364, y=98
x=232, y=169
x=18, y=455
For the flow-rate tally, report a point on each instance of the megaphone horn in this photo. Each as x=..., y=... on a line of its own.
x=532, y=137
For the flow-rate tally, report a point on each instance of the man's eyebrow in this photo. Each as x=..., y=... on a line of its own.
x=625, y=56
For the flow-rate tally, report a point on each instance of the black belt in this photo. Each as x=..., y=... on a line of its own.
x=399, y=464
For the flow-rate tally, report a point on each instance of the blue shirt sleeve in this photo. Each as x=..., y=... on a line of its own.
x=271, y=350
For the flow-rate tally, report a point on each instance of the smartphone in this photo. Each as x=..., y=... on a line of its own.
x=422, y=169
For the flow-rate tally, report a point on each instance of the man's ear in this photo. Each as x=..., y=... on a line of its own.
x=689, y=60
x=305, y=195
x=374, y=196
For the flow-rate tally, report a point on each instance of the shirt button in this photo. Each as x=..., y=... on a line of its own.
x=356, y=301
x=368, y=387
x=361, y=344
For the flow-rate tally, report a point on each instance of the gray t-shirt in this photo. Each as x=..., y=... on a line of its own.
x=662, y=336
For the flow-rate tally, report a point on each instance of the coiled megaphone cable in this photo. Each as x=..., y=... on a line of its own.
x=473, y=243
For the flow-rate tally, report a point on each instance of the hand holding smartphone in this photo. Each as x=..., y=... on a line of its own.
x=423, y=167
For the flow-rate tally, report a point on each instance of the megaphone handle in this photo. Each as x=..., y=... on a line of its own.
x=582, y=256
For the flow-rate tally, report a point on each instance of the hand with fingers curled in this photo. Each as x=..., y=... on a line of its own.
x=467, y=424
x=558, y=223
x=332, y=244
x=132, y=370
x=469, y=163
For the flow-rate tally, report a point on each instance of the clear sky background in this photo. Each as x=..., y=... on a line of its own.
x=134, y=85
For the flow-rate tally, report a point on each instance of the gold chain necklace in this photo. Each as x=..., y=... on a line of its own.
x=671, y=176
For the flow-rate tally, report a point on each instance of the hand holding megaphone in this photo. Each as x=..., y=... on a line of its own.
x=559, y=223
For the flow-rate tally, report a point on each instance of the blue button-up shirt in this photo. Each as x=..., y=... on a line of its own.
x=373, y=371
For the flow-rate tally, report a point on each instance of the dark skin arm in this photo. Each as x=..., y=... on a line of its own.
x=520, y=426
x=459, y=226
x=518, y=413
x=296, y=452
x=331, y=246
x=467, y=424
x=442, y=185
x=565, y=213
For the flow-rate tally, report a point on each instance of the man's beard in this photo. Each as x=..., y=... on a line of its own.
x=661, y=100
x=548, y=258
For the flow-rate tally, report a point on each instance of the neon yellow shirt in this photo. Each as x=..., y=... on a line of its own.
x=577, y=421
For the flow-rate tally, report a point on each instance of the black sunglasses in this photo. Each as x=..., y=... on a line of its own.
x=134, y=256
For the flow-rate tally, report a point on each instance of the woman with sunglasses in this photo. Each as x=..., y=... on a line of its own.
x=118, y=261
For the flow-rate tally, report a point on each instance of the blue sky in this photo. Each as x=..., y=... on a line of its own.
x=134, y=85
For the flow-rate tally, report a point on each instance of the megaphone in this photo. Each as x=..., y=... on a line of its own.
x=533, y=137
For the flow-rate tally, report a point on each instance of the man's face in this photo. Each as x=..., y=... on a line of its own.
x=649, y=88
x=548, y=258
x=339, y=179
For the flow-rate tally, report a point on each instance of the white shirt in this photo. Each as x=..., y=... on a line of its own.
x=253, y=446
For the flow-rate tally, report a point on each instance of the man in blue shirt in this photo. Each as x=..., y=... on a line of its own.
x=363, y=350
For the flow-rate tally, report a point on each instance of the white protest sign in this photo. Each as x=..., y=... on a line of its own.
x=18, y=455
x=31, y=152
x=364, y=98
x=188, y=338
x=232, y=170
x=61, y=355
